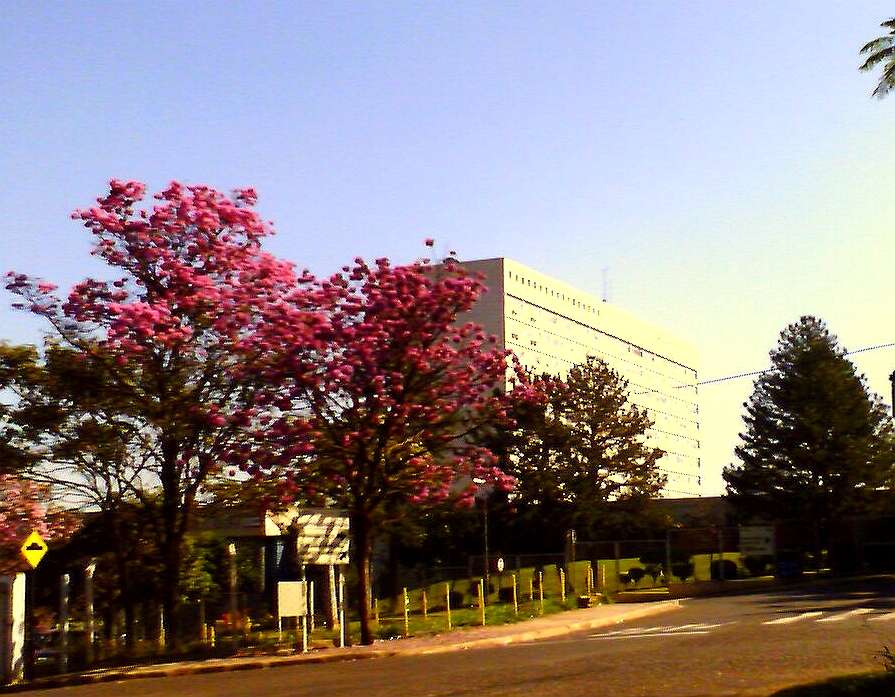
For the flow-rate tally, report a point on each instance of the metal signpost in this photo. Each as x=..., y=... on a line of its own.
x=33, y=550
x=320, y=537
x=292, y=601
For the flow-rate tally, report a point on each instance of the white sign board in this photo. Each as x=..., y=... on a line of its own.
x=12, y=628
x=756, y=540
x=322, y=537
x=292, y=598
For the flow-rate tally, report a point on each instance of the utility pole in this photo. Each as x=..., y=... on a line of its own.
x=892, y=380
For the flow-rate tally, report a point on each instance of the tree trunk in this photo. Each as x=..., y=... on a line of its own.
x=130, y=624
x=122, y=549
x=363, y=550
x=173, y=524
x=171, y=595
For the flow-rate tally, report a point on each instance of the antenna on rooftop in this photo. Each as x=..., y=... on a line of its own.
x=607, y=288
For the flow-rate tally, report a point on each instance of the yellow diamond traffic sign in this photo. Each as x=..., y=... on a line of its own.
x=34, y=549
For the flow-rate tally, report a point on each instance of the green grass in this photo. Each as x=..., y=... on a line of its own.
x=392, y=626
x=880, y=684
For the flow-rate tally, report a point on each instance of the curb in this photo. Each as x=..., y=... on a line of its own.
x=550, y=632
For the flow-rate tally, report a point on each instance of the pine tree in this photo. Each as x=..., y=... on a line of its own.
x=817, y=443
x=584, y=451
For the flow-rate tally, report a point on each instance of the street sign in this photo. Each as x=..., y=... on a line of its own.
x=292, y=598
x=34, y=549
x=757, y=540
x=320, y=537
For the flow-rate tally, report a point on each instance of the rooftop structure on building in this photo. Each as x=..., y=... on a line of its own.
x=551, y=326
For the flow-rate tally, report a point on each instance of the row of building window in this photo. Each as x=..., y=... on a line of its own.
x=541, y=288
x=671, y=391
x=592, y=334
x=638, y=368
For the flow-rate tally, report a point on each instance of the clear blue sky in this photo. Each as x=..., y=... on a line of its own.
x=723, y=160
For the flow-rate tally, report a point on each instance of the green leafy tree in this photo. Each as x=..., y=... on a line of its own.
x=881, y=52
x=399, y=394
x=817, y=443
x=146, y=383
x=580, y=455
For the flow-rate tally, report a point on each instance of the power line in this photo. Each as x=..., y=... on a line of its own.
x=729, y=377
x=756, y=372
x=759, y=372
x=869, y=348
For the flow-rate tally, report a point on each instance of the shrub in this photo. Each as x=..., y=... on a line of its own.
x=728, y=565
x=683, y=569
x=654, y=571
x=756, y=565
x=505, y=595
x=653, y=556
x=636, y=574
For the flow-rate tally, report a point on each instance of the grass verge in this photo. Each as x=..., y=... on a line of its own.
x=879, y=684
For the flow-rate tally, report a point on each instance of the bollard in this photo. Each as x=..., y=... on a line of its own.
x=482, y=600
x=541, y=592
x=515, y=597
x=447, y=603
x=406, y=614
x=562, y=586
x=424, y=601
x=311, y=613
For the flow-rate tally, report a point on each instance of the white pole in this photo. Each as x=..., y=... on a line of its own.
x=88, y=602
x=333, y=596
x=63, y=623
x=311, y=605
x=341, y=608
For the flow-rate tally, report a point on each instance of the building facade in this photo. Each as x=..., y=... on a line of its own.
x=551, y=326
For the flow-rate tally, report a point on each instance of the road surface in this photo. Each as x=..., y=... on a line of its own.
x=743, y=645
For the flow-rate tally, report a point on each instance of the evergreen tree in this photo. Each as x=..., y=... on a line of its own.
x=817, y=444
x=581, y=454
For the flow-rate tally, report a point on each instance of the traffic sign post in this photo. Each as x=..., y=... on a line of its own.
x=33, y=550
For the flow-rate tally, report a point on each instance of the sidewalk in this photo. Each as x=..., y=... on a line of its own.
x=554, y=625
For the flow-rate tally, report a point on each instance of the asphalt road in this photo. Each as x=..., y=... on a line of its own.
x=744, y=645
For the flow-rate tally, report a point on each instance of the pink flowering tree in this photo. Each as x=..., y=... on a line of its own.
x=150, y=382
x=26, y=507
x=397, y=403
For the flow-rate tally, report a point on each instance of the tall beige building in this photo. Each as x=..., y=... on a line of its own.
x=551, y=326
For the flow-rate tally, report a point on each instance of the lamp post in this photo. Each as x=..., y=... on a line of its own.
x=892, y=380
x=483, y=493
